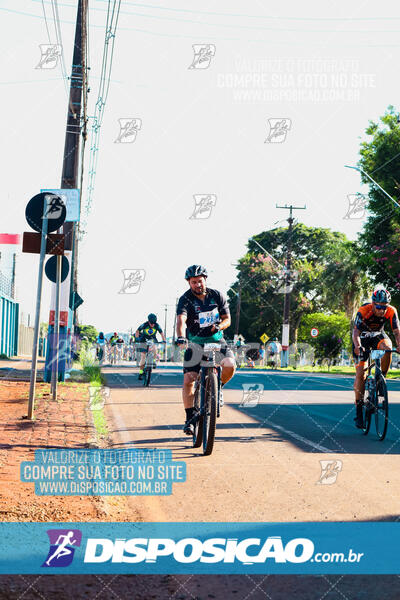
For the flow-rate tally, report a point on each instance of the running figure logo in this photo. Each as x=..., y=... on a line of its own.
x=278, y=129
x=252, y=393
x=128, y=129
x=203, y=205
x=203, y=54
x=98, y=397
x=357, y=206
x=330, y=469
x=62, y=542
x=54, y=207
x=50, y=54
x=287, y=281
x=132, y=280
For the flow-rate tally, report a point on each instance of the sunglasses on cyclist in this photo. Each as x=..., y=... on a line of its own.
x=381, y=306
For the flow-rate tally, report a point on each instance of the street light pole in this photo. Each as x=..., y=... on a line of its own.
x=360, y=170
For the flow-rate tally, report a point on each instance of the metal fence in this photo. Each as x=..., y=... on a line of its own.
x=6, y=286
x=25, y=340
x=8, y=326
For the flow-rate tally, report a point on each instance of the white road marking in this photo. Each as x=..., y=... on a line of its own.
x=300, y=438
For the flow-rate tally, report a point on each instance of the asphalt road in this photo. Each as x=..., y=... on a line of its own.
x=266, y=460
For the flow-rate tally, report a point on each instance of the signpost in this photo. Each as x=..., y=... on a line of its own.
x=264, y=338
x=54, y=213
x=54, y=243
x=51, y=268
x=314, y=332
x=71, y=199
x=44, y=213
x=56, y=269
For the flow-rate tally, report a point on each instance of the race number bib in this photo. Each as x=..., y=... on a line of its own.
x=208, y=318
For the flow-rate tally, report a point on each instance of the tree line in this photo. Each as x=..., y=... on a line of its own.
x=330, y=275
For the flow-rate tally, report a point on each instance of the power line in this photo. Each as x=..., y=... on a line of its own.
x=248, y=16
x=113, y=10
x=45, y=20
x=206, y=37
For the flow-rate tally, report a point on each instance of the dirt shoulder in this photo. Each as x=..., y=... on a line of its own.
x=65, y=423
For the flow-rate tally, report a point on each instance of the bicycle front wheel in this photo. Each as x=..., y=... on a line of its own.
x=198, y=426
x=210, y=413
x=381, y=409
x=368, y=409
x=147, y=376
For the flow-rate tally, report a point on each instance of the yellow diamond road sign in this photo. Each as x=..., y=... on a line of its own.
x=264, y=338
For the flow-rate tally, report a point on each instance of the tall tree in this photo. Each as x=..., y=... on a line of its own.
x=346, y=285
x=261, y=277
x=380, y=158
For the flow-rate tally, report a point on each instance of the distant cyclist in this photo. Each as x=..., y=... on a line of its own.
x=146, y=332
x=202, y=315
x=273, y=351
x=369, y=334
x=101, y=345
x=112, y=342
x=113, y=339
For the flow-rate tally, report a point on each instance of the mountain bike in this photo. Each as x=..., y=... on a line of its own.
x=113, y=354
x=120, y=352
x=207, y=400
x=375, y=401
x=100, y=355
x=150, y=362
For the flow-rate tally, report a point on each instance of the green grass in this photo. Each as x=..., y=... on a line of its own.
x=91, y=370
x=334, y=370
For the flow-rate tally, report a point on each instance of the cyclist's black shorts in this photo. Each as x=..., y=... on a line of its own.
x=192, y=358
x=369, y=341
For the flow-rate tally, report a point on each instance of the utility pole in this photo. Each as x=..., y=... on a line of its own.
x=288, y=287
x=165, y=331
x=175, y=351
x=70, y=180
x=165, y=320
x=238, y=306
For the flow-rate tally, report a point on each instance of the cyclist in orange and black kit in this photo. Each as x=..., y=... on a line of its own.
x=369, y=334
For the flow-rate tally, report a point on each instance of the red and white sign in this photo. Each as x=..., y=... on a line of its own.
x=63, y=318
x=10, y=238
x=314, y=332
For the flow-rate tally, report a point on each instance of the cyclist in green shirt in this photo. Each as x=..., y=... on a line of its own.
x=202, y=315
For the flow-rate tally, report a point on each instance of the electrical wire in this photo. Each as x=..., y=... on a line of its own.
x=113, y=10
x=206, y=37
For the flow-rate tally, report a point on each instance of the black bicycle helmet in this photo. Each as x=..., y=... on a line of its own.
x=381, y=295
x=152, y=318
x=196, y=271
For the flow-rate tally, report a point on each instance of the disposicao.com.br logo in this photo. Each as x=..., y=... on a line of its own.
x=62, y=547
x=248, y=551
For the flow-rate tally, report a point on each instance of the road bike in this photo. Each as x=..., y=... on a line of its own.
x=151, y=361
x=375, y=401
x=207, y=400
